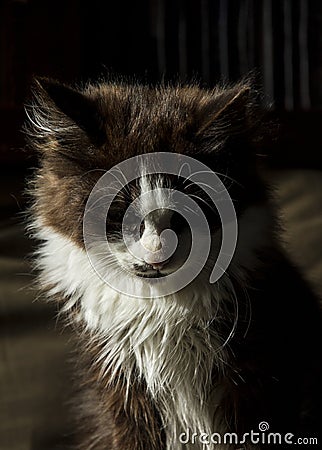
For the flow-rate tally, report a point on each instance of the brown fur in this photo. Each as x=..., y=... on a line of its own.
x=114, y=419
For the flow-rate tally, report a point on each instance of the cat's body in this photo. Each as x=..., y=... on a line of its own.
x=210, y=358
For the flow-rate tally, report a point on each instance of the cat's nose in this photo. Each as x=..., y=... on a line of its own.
x=151, y=242
x=157, y=248
x=156, y=262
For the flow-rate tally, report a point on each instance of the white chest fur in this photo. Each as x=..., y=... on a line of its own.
x=165, y=341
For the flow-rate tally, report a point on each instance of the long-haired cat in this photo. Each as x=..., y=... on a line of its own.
x=177, y=371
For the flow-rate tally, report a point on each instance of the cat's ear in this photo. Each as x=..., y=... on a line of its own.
x=61, y=114
x=229, y=113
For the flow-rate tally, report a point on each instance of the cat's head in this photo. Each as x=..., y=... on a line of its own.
x=82, y=133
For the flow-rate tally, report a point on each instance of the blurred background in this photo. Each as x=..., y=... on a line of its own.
x=148, y=40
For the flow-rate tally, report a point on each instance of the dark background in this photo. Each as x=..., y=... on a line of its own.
x=280, y=41
x=150, y=40
x=147, y=40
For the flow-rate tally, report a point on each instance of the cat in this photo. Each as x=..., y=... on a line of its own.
x=169, y=372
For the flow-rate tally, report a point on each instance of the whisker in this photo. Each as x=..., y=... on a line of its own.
x=91, y=171
x=185, y=164
x=228, y=177
x=204, y=201
x=196, y=173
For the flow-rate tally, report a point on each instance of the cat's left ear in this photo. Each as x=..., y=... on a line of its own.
x=63, y=114
x=230, y=113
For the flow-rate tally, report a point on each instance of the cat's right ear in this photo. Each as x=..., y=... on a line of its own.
x=60, y=116
x=231, y=115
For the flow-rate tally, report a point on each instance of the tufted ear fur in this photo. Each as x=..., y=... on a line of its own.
x=60, y=117
x=229, y=106
x=229, y=114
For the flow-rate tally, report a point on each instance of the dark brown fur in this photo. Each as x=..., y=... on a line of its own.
x=114, y=419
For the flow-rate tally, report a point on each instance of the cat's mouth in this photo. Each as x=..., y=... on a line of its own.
x=149, y=271
x=157, y=274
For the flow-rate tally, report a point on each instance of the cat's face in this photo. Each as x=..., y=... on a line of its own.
x=149, y=222
x=142, y=244
x=80, y=135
